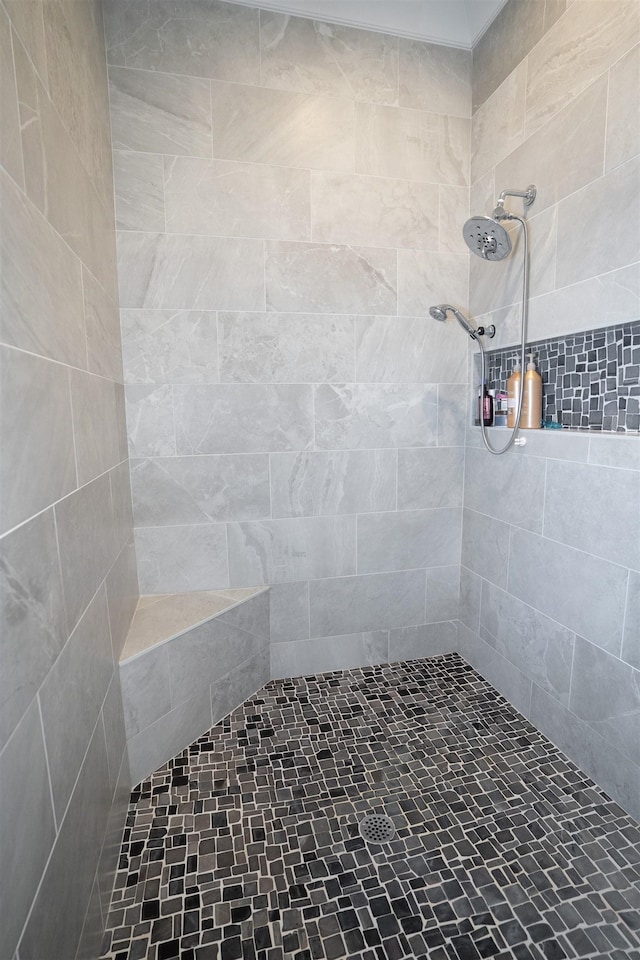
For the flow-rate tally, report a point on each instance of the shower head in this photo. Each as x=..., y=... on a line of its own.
x=487, y=238
x=440, y=313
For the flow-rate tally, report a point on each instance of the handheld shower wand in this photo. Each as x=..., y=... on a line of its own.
x=440, y=313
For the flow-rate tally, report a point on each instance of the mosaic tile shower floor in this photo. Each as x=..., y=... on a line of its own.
x=246, y=845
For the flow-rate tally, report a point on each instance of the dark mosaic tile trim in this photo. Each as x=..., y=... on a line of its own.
x=246, y=845
x=590, y=381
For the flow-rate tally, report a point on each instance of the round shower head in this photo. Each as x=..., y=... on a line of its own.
x=439, y=313
x=487, y=238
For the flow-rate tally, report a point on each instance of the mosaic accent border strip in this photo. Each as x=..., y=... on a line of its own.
x=590, y=380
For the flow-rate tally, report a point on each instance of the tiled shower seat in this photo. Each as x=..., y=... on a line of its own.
x=188, y=660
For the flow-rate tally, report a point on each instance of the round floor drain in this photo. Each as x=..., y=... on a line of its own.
x=376, y=828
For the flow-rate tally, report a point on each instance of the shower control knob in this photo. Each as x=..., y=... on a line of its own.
x=520, y=441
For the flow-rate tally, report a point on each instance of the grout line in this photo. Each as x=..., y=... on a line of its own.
x=46, y=758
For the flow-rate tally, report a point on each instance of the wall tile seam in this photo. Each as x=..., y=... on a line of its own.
x=586, y=553
x=61, y=363
x=13, y=36
x=46, y=759
x=310, y=516
x=635, y=671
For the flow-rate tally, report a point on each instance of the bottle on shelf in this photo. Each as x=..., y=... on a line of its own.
x=531, y=418
x=485, y=406
x=514, y=385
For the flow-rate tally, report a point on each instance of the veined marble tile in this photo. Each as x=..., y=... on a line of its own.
x=243, y=418
x=498, y=125
x=288, y=612
x=409, y=350
x=623, y=119
x=139, y=191
x=240, y=683
x=324, y=654
x=44, y=317
x=409, y=539
x=430, y=477
x=231, y=199
x=442, y=594
x=454, y=212
x=150, y=421
x=182, y=558
x=286, y=348
x=10, y=145
x=630, y=648
x=28, y=23
x=273, y=551
x=275, y=126
x=412, y=144
x=95, y=424
x=424, y=640
x=428, y=278
x=329, y=484
x=485, y=546
x=435, y=78
x=204, y=489
x=160, y=113
x=353, y=415
x=169, y=346
x=204, y=38
x=323, y=278
x=517, y=489
x=102, y=322
x=122, y=508
x=122, y=595
x=582, y=45
x=452, y=414
x=37, y=466
x=330, y=58
x=169, y=271
x=353, y=209
x=374, y=602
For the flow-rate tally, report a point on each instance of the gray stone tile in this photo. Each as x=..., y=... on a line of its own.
x=401, y=349
x=631, y=635
x=122, y=596
x=139, y=191
x=181, y=558
x=409, y=539
x=26, y=805
x=434, y=77
x=582, y=592
x=34, y=628
x=160, y=113
x=324, y=654
x=364, y=603
x=485, y=546
x=203, y=489
x=425, y=640
x=102, y=322
x=352, y=415
x=452, y=414
x=11, y=146
x=285, y=348
x=609, y=451
x=71, y=698
x=498, y=125
x=146, y=692
x=110, y=855
x=28, y=23
x=272, y=551
x=252, y=615
x=170, y=734
x=443, y=594
x=240, y=683
x=470, y=594
x=239, y=418
x=150, y=420
x=500, y=672
x=170, y=346
x=115, y=735
x=328, y=484
x=431, y=477
x=454, y=210
x=121, y=501
x=95, y=424
x=623, y=123
x=330, y=278
x=505, y=43
x=289, y=611
x=92, y=927
x=517, y=489
x=438, y=278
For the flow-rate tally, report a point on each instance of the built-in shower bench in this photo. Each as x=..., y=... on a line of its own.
x=189, y=659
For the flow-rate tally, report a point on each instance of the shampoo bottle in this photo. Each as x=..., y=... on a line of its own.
x=531, y=418
x=514, y=385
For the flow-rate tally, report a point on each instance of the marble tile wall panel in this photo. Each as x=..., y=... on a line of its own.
x=169, y=346
x=365, y=603
x=498, y=125
x=327, y=58
x=443, y=593
x=239, y=684
x=178, y=559
x=195, y=39
x=630, y=645
x=139, y=191
x=102, y=324
x=11, y=145
x=430, y=478
x=452, y=414
x=358, y=416
x=202, y=489
x=454, y=211
x=120, y=482
x=429, y=278
x=623, y=122
x=517, y=491
x=230, y=199
x=289, y=611
x=408, y=539
x=485, y=546
x=435, y=78
x=146, y=689
x=316, y=484
x=285, y=348
x=95, y=424
x=500, y=672
x=258, y=125
x=150, y=421
x=425, y=640
x=122, y=595
x=323, y=654
x=28, y=22
x=409, y=350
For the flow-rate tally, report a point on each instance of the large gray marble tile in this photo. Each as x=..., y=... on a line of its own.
x=272, y=551
x=470, y=596
x=31, y=829
x=92, y=926
x=324, y=654
x=197, y=39
x=442, y=593
x=32, y=614
x=370, y=210
x=38, y=464
x=353, y=415
x=327, y=484
x=138, y=191
x=181, y=558
x=204, y=489
x=163, y=739
x=610, y=705
x=485, y=546
x=631, y=636
x=498, y=125
x=95, y=424
x=285, y=348
x=327, y=58
x=615, y=451
x=122, y=596
x=121, y=502
x=28, y=23
x=453, y=401
x=239, y=684
x=84, y=522
x=146, y=690
x=44, y=317
x=508, y=680
x=517, y=489
x=623, y=122
x=539, y=647
x=596, y=509
x=434, y=77
x=170, y=346
x=110, y=854
x=172, y=272
x=425, y=280
x=430, y=477
x=11, y=144
x=230, y=199
x=252, y=615
x=582, y=592
x=375, y=602
x=454, y=210
x=409, y=539
x=289, y=611
x=71, y=698
x=328, y=278
x=409, y=350
x=289, y=129
x=425, y=640
x=150, y=421
x=102, y=322
x=411, y=144
x=160, y=113
x=239, y=418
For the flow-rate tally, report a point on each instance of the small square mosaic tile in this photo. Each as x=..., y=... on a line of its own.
x=247, y=846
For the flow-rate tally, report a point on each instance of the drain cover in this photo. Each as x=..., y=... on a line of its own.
x=376, y=828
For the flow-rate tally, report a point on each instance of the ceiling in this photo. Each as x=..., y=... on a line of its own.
x=456, y=23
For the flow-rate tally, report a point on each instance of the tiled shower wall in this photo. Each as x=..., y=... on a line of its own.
x=289, y=197
x=550, y=588
x=67, y=569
